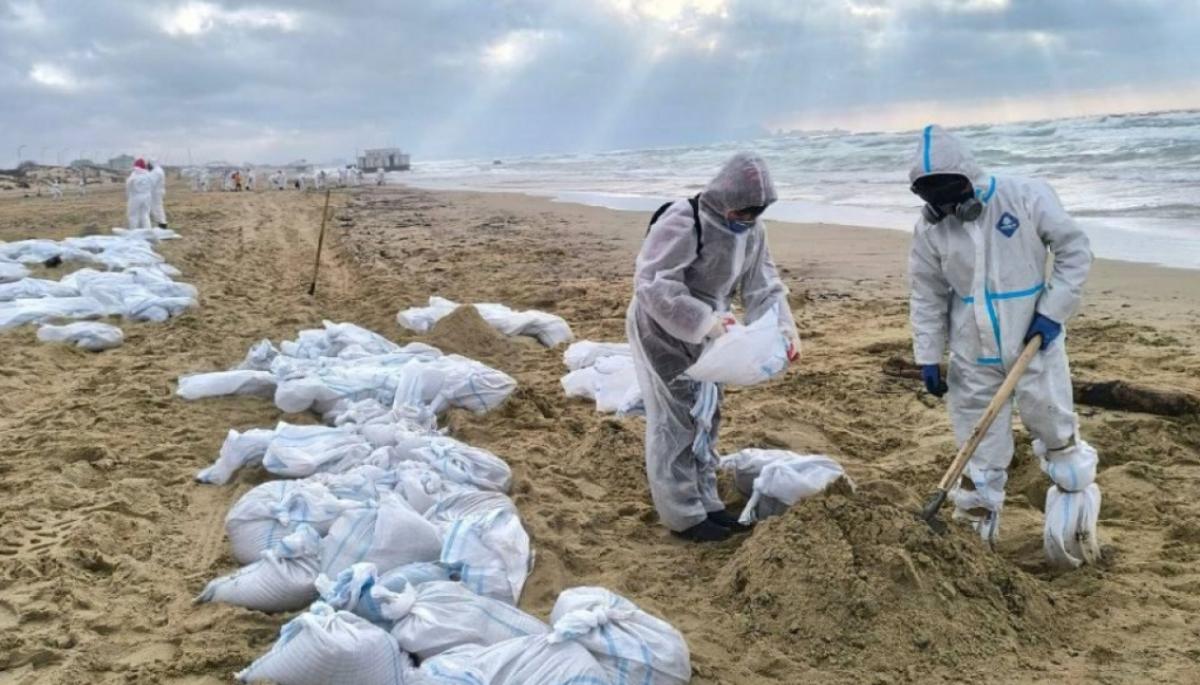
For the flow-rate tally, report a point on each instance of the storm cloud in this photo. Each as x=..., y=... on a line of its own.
x=270, y=82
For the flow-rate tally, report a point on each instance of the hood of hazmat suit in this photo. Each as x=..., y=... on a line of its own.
x=684, y=278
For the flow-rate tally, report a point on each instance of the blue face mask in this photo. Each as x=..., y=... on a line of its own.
x=739, y=226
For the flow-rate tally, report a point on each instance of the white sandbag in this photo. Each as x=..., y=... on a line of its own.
x=452, y=381
x=422, y=319
x=327, y=647
x=387, y=533
x=299, y=451
x=548, y=329
x=611, y=382
x=1070, y=537
x=530, y=660
x=272, y=511
x=282, y=580
x=491, y=549
x=585, y=353
x=260, y=356
x=334, y=338
x=457, y=461
x=153, y=308
x=634, y=647
x=431, y=618
x=321, y=391
x=746, y=355
x=33, y=288
x=48, y=309
x=238, y=450
x=11, y=271
x=87, y=335
x=777, y=479
x=198, y=386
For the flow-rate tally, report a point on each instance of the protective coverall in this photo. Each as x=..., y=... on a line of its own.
x=976, y=287
x=684, y=280
x=139, y=192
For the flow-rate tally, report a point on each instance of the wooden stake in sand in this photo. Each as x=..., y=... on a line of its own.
x=312, y=288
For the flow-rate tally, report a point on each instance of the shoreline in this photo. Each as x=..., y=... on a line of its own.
x=830, y=253
x=1140, y=240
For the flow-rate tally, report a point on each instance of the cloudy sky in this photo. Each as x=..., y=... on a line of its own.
x=274, y=81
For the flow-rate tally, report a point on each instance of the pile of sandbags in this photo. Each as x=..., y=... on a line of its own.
x=403, y=540
x=603, y=372
x=344, y=368
x=123, y=276
x=550, y=330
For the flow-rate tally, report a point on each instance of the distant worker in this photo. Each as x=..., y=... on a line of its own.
x=157, y=213
x=139, y=193
x=698, y=254
x=380, y=177
x=251, y=177
x=55, y=190
x=358, y=176
x=321, y=178
x=205, y=181
x=278, y=179
x=343, y=177
x=82, y=185
x=978, y=272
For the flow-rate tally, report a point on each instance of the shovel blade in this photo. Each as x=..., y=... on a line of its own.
x=929, y=513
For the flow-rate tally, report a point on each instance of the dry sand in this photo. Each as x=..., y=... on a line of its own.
x=104, y=538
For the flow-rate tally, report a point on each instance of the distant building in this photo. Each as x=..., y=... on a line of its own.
x=121, y=163
x=81, y=163
x=386, y=158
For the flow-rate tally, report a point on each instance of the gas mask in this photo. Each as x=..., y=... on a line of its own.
x=947, y=195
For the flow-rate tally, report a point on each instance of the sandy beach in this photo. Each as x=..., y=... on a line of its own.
x=105, y=539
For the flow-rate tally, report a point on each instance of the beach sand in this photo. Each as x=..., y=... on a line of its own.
x=105, y=539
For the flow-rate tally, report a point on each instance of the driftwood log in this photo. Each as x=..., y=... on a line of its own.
x=1117, y=395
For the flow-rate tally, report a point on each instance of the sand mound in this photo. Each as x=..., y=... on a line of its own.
x=854, y=580
x=465, y=332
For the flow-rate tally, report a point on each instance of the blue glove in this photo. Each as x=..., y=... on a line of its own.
x=1047, y=327
x=931, y=374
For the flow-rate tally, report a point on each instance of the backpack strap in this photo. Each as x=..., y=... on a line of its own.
x=694, y=201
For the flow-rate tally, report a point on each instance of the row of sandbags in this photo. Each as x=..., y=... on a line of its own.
x=404, y=536
x=370, y=630
x=548, y=329
x=130, y=280
x=344, y=369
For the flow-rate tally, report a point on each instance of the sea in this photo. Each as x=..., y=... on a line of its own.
x=1131, y=180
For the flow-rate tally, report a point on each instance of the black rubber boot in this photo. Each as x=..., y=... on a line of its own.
x=705, y=531
x=726, y=520
x=162, y=225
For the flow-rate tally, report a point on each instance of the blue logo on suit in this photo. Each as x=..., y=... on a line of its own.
x=1008, y=224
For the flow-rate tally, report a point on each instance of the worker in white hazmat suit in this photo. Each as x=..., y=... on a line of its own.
x=139, y=193
x=157, y=213
x=982, y=287
x=380, y=177
x=695, y=259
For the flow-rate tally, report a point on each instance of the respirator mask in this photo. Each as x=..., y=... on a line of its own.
x=947, y=195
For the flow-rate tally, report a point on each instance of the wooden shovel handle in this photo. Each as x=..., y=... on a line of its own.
x=994, y=407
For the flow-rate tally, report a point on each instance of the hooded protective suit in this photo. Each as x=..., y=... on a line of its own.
x=139, y=192
x=684, y=279
x=976, y=287
x=157, y=213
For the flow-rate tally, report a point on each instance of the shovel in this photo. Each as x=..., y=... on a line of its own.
x=954, y=473
x=312, y=288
